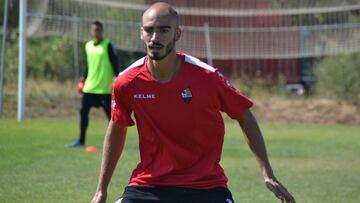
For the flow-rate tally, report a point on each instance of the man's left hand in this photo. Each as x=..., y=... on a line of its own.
x=279, y=190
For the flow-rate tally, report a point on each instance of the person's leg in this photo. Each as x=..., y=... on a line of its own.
x=106, y=104
x=86, y=105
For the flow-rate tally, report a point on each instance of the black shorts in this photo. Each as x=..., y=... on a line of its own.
x=96, y=100
x=160, y=194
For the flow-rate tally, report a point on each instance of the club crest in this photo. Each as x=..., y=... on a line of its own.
x=186, y=95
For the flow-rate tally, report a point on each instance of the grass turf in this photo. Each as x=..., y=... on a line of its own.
x=316, y=163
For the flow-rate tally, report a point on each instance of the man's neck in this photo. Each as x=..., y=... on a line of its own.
x=166, y=69
x=97, y=41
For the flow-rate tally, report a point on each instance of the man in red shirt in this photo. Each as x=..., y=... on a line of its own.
x=176, y=100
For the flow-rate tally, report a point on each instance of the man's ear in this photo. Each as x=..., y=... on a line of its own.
x=177, y=34
x=141, y=31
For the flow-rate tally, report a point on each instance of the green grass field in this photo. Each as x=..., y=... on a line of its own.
x=317, y=163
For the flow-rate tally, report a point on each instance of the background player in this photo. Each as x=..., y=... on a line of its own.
x=95, y=85
x=177, y=100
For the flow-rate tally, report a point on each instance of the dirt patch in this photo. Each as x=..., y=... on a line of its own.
x=60, y=100
x=319, y=111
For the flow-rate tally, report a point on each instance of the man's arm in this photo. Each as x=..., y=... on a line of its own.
x=84, y=75
x=256, y=143
x=80, y=85
x=113, y=59
x=112, y=149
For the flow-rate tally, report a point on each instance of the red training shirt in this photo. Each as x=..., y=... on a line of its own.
x=181, y=130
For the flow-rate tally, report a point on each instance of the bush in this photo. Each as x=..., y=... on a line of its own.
x=339, y=77
x=46, y=58
x=52, y=58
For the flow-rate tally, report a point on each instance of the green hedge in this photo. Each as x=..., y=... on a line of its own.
x=52, y=58
x=46, y=58
x=339, y=78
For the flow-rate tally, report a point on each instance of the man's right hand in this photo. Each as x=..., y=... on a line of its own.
x=99, y=197
x=80, y=85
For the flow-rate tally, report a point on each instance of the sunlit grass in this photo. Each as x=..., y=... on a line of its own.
x=316, y=163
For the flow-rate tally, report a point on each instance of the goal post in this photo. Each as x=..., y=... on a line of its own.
x=22, y=60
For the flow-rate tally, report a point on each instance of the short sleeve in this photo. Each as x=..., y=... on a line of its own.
x=120, y=108
x=231, y=100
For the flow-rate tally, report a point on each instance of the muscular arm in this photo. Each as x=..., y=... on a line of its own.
x=112, y=149
x=256, y=143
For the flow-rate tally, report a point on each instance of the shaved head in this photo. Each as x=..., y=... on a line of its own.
x=161, y=10
x=160, y=30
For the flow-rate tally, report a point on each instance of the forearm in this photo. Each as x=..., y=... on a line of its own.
x=112, y=149
x=84, y=75
x=113, y=59
x=256, y=143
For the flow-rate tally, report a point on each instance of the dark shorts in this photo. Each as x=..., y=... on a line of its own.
x=157, y=194
x=96, y=100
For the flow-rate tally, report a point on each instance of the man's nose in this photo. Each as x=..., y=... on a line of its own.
x=155, y=36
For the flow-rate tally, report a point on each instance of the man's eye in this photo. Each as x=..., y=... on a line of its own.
x=164, y=30
x=148, y=30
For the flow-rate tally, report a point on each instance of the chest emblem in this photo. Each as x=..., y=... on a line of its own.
x=186, y=95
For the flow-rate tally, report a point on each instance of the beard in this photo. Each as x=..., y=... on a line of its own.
x=157, y=57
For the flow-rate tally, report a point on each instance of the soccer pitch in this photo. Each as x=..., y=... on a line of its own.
x=316, y=163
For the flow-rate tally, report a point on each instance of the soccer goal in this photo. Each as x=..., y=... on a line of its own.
x=243, y=34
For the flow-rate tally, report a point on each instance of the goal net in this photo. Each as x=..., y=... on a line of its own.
x=226, y=29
